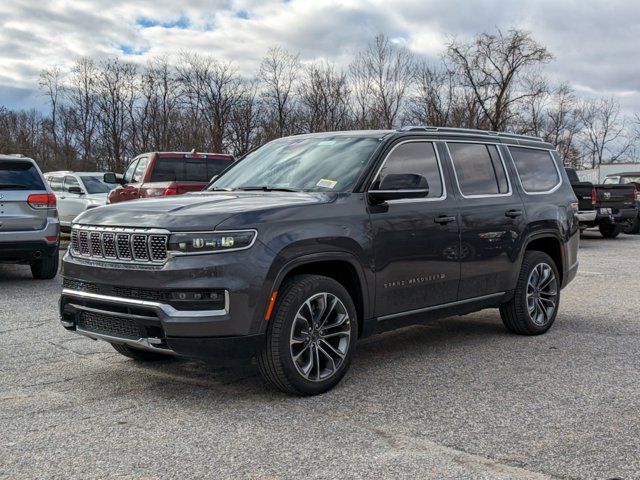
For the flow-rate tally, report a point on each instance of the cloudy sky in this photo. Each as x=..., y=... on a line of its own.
x=596, y=44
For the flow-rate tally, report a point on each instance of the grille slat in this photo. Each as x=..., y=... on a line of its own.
x=118, y=244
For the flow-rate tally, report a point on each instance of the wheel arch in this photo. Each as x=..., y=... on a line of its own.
x=551, y=244
x=340, y=266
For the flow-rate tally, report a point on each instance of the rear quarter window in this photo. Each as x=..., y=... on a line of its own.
x=20, y=176
x=536, y=168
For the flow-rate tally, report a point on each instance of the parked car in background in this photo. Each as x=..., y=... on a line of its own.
x=613, y=205
x=77, y=192
x=313, y=241
x=160, y=174
x=628, y=178
x=29, y=226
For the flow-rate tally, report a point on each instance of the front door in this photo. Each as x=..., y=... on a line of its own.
x=74, y=203
x=416, y=241
x=492, y=219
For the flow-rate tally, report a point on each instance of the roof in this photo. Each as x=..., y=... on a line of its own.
x=16, y=157
x=449, y=131
x=70, y=172
x=622, y=174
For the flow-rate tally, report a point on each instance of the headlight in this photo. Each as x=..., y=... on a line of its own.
x=211, y=242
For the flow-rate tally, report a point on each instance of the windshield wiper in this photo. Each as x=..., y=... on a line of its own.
x=266, y=188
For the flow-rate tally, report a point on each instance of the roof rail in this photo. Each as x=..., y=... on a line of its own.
x=429, y=128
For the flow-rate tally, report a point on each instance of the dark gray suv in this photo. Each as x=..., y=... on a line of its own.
x=313, y=241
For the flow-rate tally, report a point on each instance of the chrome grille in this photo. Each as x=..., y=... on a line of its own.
x=141, y=246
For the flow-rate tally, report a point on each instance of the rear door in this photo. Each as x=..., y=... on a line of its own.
x=492, y=218
x=18, y=180
x=416, y=241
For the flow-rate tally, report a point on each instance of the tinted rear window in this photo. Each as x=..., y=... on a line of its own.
x=19, y=176
x=178, y=169
x=536, y=168
x=479, y=169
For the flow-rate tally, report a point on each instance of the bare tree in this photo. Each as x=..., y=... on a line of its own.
x=278, y=73
x=81, y=99
x=324, y=97
x=603, y=134
x=116, y=97
x=50, y=82
x=245, y=130
x=493, y=67
x=433, y=98
x=382, y=75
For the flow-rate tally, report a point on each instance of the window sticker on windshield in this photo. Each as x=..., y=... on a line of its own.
x=326, y=183
x=327, y=142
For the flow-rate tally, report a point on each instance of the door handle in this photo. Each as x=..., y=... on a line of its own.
x=513, y=213
x=444, y=219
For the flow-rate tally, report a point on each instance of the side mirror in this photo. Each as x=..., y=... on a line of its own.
x=399, y=186
x=110, y=178
x=76, y=190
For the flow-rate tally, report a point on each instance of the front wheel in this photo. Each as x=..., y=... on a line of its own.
x=534, y=305
x=311, y=336
x=610, y=230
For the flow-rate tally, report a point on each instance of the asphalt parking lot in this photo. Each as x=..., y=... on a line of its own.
x=460, y=398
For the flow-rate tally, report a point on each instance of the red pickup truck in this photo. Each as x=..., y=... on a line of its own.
x=158, y=174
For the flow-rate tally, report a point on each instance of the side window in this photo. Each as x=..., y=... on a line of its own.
x=139, y=172
x=478, y=169
x=414, y=157
x=128, y=175
x=55, y=183
x=536, y=168
x=70, y=182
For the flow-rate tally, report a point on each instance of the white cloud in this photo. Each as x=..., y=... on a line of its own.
x=594, y=43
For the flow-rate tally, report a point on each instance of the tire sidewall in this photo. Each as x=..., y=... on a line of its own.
x=295, y=299
x=533, y=259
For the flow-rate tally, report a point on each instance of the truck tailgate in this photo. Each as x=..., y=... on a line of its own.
x=615, y=196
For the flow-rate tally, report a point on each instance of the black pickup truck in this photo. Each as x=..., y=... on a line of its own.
x=609, y=207
x=627, y=178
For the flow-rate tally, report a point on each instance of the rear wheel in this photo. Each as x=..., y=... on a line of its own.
x=534, y=305
x=311, y=336
x=610, y=230
x=138, y=354
x=45, y=268
x=632, y=226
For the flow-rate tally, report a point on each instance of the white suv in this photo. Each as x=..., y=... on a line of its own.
x=77, y=192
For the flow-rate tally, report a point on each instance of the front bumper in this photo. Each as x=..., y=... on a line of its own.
x=154, y=326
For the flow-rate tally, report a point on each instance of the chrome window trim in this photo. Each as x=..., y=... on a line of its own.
x=414, y=200
x=553, y=160
x=504, y=166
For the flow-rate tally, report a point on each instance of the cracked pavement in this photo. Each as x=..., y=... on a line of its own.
x=459, y=398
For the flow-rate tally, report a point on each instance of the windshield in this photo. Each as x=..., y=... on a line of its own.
x=95, y=184
x=306, y=164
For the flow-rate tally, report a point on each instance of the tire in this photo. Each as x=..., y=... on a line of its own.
x=138, y=354
x=632, y=227
x=293, y=331
x=610, y=230
x=517, y=314
x=45, y=268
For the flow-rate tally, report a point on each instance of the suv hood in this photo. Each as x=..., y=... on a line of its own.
x=194, y=212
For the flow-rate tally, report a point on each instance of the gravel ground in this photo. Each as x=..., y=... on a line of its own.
x=459, y=398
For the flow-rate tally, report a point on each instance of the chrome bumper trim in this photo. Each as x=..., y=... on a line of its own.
x=166, y=309
x=141, y=343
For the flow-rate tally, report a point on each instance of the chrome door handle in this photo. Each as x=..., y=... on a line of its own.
x=444, y=219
